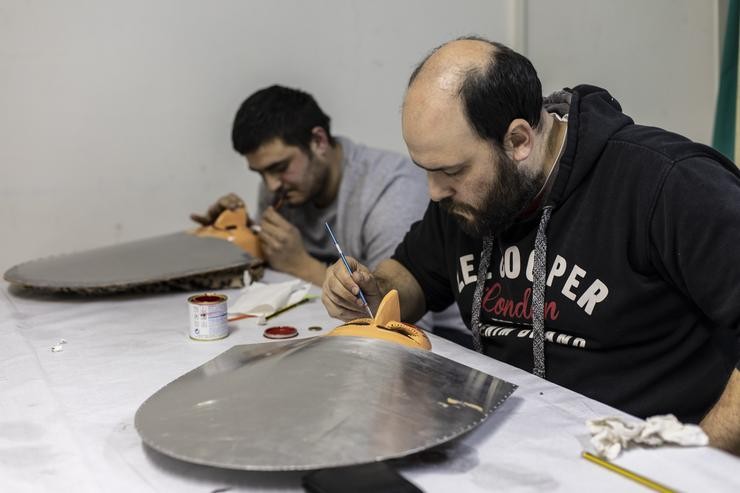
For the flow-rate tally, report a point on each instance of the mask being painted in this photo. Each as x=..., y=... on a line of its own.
x=386, y=326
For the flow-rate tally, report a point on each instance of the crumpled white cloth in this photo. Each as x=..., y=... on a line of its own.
x=263, y=299
x=611, y=435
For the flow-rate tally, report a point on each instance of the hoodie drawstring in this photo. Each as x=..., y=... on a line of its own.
x=539, y=273
x=485, y=261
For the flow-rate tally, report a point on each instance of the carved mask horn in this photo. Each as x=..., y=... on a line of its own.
x=389, y=309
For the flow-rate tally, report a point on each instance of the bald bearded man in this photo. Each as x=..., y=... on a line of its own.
x=579, y=246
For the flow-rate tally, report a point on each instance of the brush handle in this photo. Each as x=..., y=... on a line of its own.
x=346, y=264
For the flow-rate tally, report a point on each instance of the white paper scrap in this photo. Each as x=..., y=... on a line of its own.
x=611, y=435
x=264, y=299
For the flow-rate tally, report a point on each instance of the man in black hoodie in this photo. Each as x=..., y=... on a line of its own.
x=594, y=252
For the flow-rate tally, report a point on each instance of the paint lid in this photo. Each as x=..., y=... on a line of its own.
x=281, y=332
x=207, y=299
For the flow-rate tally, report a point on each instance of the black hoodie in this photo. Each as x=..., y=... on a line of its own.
x=642, y=300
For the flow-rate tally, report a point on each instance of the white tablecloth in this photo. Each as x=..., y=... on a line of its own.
x=66, y=418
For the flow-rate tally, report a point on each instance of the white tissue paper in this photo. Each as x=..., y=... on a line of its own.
x=611, y=435
x=262, y=299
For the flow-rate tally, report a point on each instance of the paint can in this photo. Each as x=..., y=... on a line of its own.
x=208, y=316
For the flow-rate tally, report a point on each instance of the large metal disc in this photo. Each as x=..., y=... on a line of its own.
x=316, y=403
x=128, y=265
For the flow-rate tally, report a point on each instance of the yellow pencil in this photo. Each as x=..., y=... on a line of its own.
x=627, y=473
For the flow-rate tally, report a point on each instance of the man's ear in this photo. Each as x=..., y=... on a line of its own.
x=320, y=144
x=519, y=139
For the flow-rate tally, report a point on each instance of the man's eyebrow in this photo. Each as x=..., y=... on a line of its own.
x=272, y=166
x=438, y=168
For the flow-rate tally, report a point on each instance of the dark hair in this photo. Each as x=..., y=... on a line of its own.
x=277, y=111
x=493, y=95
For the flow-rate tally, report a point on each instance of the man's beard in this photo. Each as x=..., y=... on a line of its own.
x=503, y=201
x=317, y=179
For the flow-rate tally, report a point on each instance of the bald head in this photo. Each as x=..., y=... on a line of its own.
x=433, y=97
x=445, y=68
x=485, y=83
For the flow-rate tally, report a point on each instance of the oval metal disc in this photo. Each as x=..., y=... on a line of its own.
x=316, y=403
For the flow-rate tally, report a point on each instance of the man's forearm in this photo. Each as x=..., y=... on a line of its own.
x=311, y=270
x=722, y=423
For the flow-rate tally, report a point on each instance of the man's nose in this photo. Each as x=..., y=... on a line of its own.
x=438, y=189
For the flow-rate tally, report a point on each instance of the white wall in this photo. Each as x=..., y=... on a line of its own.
x=658, y=58
x=115, y=116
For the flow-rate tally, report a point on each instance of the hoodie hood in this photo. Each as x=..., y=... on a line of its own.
x=593, y=117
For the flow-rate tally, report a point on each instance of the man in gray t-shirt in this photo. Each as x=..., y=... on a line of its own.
x=368, y=196
x=380, y=195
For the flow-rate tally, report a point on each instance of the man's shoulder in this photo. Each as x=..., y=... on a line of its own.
x=371, y=170
x=650, y=156
x=659, y=145
x=380, y=179
x=364, y=156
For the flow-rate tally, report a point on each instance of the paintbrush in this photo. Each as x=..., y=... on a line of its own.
x=277, y=202
x=344, y=260
x=279, y=199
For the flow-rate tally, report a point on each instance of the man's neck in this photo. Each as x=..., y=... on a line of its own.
x=553, y=143
x=333, y=177
x=555, y=132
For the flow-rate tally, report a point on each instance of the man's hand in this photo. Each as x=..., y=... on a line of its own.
x=282, y=245
x=230, y=202
x=340, y=293
x=722, y=423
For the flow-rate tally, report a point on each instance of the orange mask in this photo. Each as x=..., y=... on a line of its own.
x=386, y=326
x=232, y=226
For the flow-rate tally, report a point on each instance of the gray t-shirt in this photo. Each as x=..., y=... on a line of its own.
x=380, y=195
